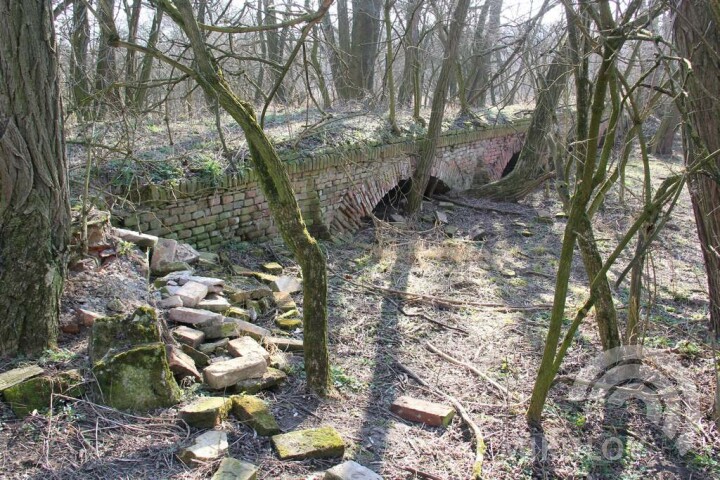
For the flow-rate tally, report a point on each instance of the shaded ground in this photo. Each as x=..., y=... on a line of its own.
x=371, y=333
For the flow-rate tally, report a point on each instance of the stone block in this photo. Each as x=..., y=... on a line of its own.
x=284, y=344
x=87, y=317
x=350, y=471
x=255, y=413
x=119, y=332
x=289, y=323
x=417, y=410
x=247, y=346
x=272, y=268
x=207, y=447
x=162, y=255
x=286, y=284
x=206, y=412
x=232, y=469
x=35, y=393
x=201, y=360
x=192, y=293
x=284, y=302
x=217, y=305
x=245, y=288
x=208, y=348
x=271, y=378
x=194, y=316
x=173, y=301
x=324, y=442
x=224, y=374
x=188, y=336
x=181, y=364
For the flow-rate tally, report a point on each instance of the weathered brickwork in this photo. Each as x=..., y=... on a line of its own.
x=334, y=190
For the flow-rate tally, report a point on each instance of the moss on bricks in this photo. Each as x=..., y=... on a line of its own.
x=138, y=379
x=206, y=412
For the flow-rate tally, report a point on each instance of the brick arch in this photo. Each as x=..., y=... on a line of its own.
x=366, y=193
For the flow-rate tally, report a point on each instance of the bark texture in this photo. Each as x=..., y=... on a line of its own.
x=34, y=208
x=696, y=35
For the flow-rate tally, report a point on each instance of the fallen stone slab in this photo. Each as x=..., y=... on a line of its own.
x=140, y=239
x=208, y=348
x=289, y=323
x=350, y=470
x=138, y=379
x=273, y=268
x=224, y=374
x=242, y=289
x=192, y=293
x=324, y=442
x=251, y=330
x=201, y=360
x=218, y=305
x=163, y=254
x=282, y=361
x=188, y=336
x=186, y=253
x=208, y=281
x=247, y=346
x=36, y=393
x=270, y=379
x=286, y=284
x=233, y=469
x=173, y=278
x=441, y=216
x=255, y=413
x=284, y=344
x=173, y=301
x=87, y=317
x=417, y=410
x=206, y=412
x=266, y=278
x=241, y=314
x=209, y=258
x=206, y=448
x=284, y=302
x=194, y=316
x=181, y=364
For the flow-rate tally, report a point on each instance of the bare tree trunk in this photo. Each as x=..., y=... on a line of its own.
x=274, y=46
x=80, y=39
x=130, y=66
x=389, y=67
x=34, y=208
x=364, y=49
x=105, y=66
x=410, y=41
x=421, y=175
x=662, y=141
x=147, y=61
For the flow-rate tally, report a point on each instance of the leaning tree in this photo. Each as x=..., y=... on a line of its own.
x=34, y=206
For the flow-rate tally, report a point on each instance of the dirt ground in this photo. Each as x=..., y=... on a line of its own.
x=376, y=336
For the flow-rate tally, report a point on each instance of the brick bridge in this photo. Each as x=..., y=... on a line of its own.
x=335, y=190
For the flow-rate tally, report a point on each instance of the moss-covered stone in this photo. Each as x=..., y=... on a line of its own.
x=322, y=442
x=233, y=469
x=254, y=413
x=206, y=412
x=18, y=375
x=120, y=332
x=36, y=393
x=138, y=379
x=273, y=268
x=240, y=313
x=289, y=323
x=272, y=378
x=201, y=360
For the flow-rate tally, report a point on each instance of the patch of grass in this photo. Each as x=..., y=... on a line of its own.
x=688, y=350
x=341, y=379
x=60, y=355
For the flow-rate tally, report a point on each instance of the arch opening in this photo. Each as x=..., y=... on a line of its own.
x=510, y=165
x=395, y=200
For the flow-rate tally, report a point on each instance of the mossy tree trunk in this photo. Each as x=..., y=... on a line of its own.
x=34, y=208
x=421, y=175
x=79, y=42
x=277, y=188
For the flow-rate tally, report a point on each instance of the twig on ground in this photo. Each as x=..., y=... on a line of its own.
x=474, y=370
x=424, y=316
x=480, y=446
x=422, y=474
x=475, y=207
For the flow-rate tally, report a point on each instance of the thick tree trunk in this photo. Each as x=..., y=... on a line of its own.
x=276, y=186
x=130, y=60
x=410, y=41
x=106, y=65
x=364, y=49
x=274, y=47
x=79, y=41
x=532, y=167
x=421, y=175
x=703, y=104
x=34, y=208
x=662, y=141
